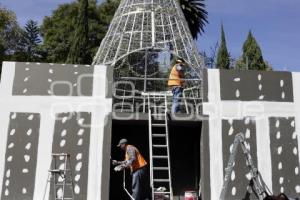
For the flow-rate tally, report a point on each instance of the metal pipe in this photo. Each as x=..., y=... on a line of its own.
x=157, y=79
x=124, y=185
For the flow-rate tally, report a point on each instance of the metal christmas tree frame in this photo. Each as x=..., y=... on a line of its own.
x=144, y=39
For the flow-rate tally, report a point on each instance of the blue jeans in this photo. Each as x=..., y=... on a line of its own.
x=177, y=94
x=139, y=184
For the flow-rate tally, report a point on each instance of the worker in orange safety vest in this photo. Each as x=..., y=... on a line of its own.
x=137, y=164
x=175, y=82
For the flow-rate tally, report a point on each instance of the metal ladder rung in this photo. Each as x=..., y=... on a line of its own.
x=258, y=185
x=158, y=114
x=158, y=125
x=158, y=119
x=161, y=118
x=159, y=145
x=159, y=135
x=55, y=173
x=160, y=157
x=161, y=180
x=161, y=168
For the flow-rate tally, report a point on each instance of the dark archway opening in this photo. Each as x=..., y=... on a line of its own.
x=184, y=150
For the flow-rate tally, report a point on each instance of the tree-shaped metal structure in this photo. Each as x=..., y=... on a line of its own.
x=144, y=38
x=148, y=24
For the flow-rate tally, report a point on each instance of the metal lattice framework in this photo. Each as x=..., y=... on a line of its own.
x=149, y=25
x=143, y=40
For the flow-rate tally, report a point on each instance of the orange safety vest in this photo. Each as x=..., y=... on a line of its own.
x=175, y=77
x=139, y=162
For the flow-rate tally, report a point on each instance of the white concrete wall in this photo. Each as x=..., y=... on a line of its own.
x=99, y=105
x=260, y=110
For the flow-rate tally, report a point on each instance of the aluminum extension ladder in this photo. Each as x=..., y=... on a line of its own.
x=160, y=166
x=259, y=186
x=60, y=176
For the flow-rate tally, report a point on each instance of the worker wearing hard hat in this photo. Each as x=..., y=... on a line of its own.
x=137, y=164
x=176, y=83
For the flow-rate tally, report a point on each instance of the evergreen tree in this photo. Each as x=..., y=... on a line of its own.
x=252, y=56
x=223, y=58
x=58, y=29
x=78, y=53
x=30, y=41
x=60, y=40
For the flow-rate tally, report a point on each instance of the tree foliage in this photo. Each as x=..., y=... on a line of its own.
x=252, y=57
x=29, y=46
x=59, y=35
x=79, y=49
x=223, y=58
x=194, y=12
x=58, y=30
x=10, y=34
x=10, y=31
x=210, y=56
x=65, y=33
x=19, y=44
x=195, y=15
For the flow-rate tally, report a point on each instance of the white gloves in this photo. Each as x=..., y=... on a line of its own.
x=119, y=167
x=114, y=162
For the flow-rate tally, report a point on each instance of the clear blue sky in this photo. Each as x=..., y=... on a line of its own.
x=274, y=23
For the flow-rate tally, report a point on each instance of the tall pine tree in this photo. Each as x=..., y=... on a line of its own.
x=252, y=56
x=30, y=41
x=223, y=58
x=78, y=53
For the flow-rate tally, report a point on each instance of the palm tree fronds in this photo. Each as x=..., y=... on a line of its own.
x=195, y=14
